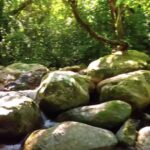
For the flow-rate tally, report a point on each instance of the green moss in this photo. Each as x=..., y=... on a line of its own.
x=132, y=87
x=106, y=115
x=22, y=67
x=116, y=63
x=64, y=90
x=113, y=113
x=127, y=133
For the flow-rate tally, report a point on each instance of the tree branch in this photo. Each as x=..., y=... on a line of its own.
x=22, y=6
x=1, y=19
x=117, y=17
x=85, y=26
x=113, y=14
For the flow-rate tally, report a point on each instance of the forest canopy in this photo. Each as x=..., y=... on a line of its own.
x=56, y=33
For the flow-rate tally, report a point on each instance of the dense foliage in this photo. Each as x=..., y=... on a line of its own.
x=45, y=31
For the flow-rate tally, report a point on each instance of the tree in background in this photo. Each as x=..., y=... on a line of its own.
x=117, y=9
x=46, y=31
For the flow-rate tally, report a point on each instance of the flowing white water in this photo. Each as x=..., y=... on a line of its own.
x=10, y=147
x=47, y=122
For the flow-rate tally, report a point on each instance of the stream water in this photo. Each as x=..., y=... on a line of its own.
x=46, y=124
x=10, y=147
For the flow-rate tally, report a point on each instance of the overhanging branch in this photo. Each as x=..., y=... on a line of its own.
x=85, y=26
x=21, y=7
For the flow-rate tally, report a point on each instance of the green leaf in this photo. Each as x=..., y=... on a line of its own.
x=120, y=2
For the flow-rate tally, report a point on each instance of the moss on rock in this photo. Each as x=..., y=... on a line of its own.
x=19, y=68
x=130, y=87
x=71, y=136
x=61, y=90
x=106, y=115
x=116, y=63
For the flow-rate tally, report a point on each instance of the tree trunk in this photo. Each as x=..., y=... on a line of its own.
x=119, y=23
x=1, y=19
x=120, y=44
x=22, y=6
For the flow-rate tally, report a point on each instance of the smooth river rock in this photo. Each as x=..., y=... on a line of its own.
x=19, y=115
x=71, y=136
x=107, y=115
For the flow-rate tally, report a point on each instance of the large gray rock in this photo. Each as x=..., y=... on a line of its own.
x=133, y=88
x=106, y=115
x=61, y=90
x=19, y=115
x=116, y=63
x=71, y=136
x=143, y=140
x=127, y=133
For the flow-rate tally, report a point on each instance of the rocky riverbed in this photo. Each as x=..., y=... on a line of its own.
x=104, y=106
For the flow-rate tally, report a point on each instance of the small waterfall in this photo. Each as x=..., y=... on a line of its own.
x=47, y=122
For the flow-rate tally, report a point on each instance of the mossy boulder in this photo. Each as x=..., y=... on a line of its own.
x=133, y=88
x=127, y=134
x=61, y=90
x=71, y=136
x=117, y=63
x=106, y=115
x=19, y=115
x=19, y=68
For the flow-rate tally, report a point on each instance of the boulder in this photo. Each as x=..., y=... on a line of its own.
x=106, y=115
x=28, y=93
x=71, y=136
x=143, y=140
x=19, y=68
x=117, y=63
x=76, y=68
x=127, y=134
x=133, y=88
x=26, y=81
x=5, y=78
x=61, y=90
x=19, y=115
